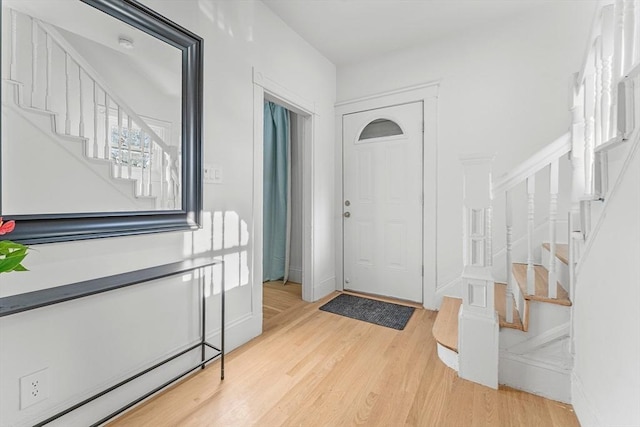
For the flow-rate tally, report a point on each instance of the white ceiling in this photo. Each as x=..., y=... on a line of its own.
x=347, y=31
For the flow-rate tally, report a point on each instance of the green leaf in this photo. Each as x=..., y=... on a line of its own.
x=7, y=246
x=20, y=267
x=9, y=264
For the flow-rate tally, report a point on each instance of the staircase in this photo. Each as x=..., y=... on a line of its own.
x=513, y=323
x=48, y=85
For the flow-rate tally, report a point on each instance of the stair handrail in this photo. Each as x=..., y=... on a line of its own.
x=532, y=165
x=95, y=76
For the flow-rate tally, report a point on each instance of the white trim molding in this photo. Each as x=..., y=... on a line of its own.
x=265, y=88
x=427, y=94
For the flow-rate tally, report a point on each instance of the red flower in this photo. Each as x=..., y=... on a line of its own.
x=6, y=227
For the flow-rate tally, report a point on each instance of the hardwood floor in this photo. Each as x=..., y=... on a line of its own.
x=313, y=368
x=278, y=298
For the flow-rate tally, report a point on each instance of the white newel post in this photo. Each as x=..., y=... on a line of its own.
x=478, y=320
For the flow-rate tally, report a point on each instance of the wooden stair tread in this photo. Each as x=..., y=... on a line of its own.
x=562, y=251
x=445, y=328
x=542, y=287
x=500, y=298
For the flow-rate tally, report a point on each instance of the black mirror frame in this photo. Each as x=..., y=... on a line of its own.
x=49, y=228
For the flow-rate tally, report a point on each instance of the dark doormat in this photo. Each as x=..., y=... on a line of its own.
x=377, y=312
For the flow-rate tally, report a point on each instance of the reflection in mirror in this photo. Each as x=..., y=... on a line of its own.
x=91, y=113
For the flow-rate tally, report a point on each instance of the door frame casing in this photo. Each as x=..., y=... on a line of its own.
x=428, y=95
x=265, y=88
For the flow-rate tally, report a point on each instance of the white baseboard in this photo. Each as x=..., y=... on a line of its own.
x=581, y=405
x=238, y=331
x=324, y=288
x=536, y=377
x=295, y=275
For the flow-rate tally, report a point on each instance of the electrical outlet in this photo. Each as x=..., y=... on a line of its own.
x=34, y=388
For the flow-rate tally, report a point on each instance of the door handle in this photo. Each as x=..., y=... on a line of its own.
x=347, y=214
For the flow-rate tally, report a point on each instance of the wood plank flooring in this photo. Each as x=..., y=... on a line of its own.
x=315, y=368
x=278, y=298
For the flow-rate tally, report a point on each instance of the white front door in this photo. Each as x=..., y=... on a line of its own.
x=382, y=201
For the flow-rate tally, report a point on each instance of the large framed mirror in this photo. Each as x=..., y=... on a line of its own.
x=101, y=121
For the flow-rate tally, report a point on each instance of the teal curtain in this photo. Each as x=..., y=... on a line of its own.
x=276, y=192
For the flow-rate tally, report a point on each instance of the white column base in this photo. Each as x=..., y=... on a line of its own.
x=478, y=347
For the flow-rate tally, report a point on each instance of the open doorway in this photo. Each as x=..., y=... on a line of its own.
x=282, y=233
x=266, y=89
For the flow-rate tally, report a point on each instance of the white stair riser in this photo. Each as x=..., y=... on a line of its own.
x=448, y=357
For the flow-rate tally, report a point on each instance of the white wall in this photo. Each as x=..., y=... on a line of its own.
x=504, y=90
x=92, y=342
x=606, y=383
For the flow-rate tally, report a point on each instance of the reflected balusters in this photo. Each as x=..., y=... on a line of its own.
x=13, y=66
x=142, y=152
x=163, y=184
x=149, y=168
x=129, y=142
x=61, y=82
x=67, y=116
x=48, y=72
x=34, y=61
x=120, y=151
x=95, y=120
x=553, y=213
x=81, y=103
x=107, y=145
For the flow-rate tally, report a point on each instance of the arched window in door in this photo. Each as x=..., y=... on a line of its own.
x=380, y=128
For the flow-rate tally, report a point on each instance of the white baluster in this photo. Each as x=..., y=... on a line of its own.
x=553, y=212
x=129, y=141
x=48, y=72
x=107, y=144
x=577, y=143
x=509, y=293
x=597, y=58
x=120, y=152
x=95, y=120
x=629, y=34
x=149, y=167
x=67, y=120
x=163, y=184
x=34, y=60
x=607, y=73
x=13, y=67
x=531, y=273
x=616, y=68
x=81, y=123
x=589, y=110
